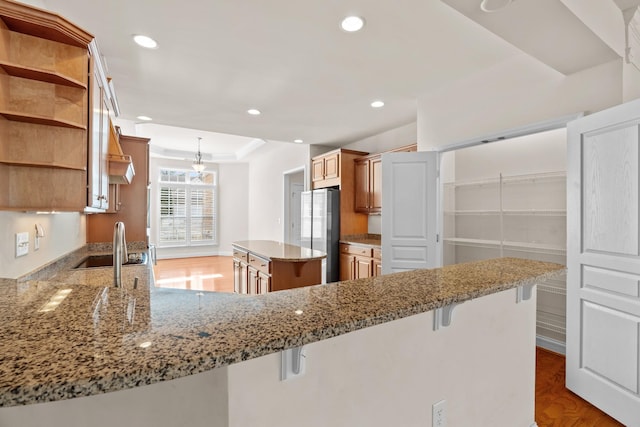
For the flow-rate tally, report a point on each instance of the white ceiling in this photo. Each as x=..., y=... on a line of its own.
x=288, y=58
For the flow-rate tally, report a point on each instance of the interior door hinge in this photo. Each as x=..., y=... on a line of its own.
x=437, y=238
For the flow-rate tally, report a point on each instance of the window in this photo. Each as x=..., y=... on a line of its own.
x=188, y=208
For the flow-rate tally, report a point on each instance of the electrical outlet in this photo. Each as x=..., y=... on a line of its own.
x=439, y=414
x=22, y=244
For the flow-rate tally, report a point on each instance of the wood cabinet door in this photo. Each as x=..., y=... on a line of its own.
x=347, y=267
x=361, y=183
x=252, y=280
x=332, y=166
x=363, y=267
x=377, y=268
x=375, y=185
x=264, y=283
x=317, y=169
x=239, y=277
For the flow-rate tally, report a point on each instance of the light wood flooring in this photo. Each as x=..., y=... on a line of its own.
x=555, y=405
x=203, y=273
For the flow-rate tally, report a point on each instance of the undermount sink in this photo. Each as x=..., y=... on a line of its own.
x=92, y=261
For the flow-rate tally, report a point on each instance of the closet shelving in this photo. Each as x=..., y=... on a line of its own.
x=521, y=216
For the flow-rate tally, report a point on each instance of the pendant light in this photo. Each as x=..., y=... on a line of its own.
x=197, y=165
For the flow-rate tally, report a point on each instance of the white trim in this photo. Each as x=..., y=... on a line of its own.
x=537, y=127
x=551, y=344
x=534, y=424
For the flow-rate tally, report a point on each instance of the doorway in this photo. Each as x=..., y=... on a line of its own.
x=293, y=188
x=508, y=199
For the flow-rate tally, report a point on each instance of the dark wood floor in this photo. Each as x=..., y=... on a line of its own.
x=558, y=407
x=555, y=405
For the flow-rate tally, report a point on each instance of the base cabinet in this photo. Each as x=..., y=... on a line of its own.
x=358, y=262
x=255, y=274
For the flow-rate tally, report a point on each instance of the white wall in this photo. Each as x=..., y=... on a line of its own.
x=64, y=232
x=538, y=153
x=233, y=185
x=385, y=141
x=515, y=93
x=234, y=204
x=266, y=187
x=391, y=374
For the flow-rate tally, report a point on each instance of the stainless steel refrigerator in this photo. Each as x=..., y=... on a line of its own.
x=320, y=227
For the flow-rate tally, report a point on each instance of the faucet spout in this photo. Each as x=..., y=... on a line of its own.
x=119, y=253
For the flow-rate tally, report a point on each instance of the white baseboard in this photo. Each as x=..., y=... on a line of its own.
x=551, y=344
x=534, y=424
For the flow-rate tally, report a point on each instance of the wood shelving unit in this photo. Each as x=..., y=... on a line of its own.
x=44, y=108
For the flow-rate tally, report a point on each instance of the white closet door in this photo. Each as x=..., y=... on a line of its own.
x=410, y=211
x=603, y=261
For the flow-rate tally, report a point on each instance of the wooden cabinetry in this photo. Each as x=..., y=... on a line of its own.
x=329, y=169
x=368, y=181
x=358, y=262
x=43, y=110
x=336, y=168
x=326, y=170
x=240, y=265
x=368, y=184
x=128, y=202
x=260, y=273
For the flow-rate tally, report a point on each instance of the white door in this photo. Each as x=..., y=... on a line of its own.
x=603, y=261
x=410, y=201
x=295, y=213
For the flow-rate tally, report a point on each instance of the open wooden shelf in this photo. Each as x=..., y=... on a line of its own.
x=39, y=74
x=40, y=120
x=54, y=165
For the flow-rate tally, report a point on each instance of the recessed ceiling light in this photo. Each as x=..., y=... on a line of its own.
x=145, y=118
x=377, y=104
x=253, y=112
x=352, y=24
x=298, y=141
x=494, y=5
x=145, y=41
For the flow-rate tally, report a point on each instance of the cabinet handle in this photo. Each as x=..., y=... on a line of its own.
x=251, y=259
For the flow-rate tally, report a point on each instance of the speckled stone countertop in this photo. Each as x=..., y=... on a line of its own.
x=101, y=338
x=368, y=239
x=278, y=251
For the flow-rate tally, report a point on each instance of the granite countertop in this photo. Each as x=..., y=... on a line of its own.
x=372, y=240
x=100, y=338
x=278, y=251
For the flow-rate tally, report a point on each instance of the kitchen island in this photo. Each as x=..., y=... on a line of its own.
x=377, y=351
x=262, y=266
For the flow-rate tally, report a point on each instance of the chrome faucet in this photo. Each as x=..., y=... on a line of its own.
x=119, y=253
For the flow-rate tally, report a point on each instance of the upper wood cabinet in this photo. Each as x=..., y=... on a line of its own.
x=44, y=105
x=326, y=170
x=368, y=184
x=336, y=168
x=333, y=168
x=368, y=181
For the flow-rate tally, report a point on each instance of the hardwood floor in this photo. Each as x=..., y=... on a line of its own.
x=203, y=273
x=558, y=407
x=555, y=405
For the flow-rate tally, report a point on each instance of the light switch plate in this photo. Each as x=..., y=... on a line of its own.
x=22, y=243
